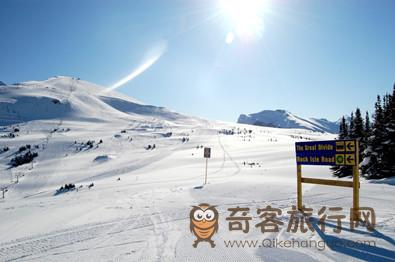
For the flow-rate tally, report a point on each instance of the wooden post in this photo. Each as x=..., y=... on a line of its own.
x=355, y=171
x=299, y=186
x=205, y=177
x=327, y=182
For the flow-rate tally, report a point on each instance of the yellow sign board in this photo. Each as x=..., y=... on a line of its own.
x=340, y=146
x=334, y=152
x=350, y=146
x=340, y=160
x=350, y=159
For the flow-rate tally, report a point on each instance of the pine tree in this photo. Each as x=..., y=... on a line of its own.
x=388, y=158
x=365, y=140
x=342, y=171
x=358, y=132
x=358, y=128
x=387, y=100
x=368, y=128
x=343, y=129
x=351, y=129
x=372, y=165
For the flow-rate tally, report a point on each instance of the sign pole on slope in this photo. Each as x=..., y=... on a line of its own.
x=299, y=186
x=355, y=171
x=4, y=189
x=207, y=155
x=329, y=153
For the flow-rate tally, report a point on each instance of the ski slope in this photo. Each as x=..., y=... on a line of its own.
x=138, y=208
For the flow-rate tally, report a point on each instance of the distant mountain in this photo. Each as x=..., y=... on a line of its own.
x=2, y=83
x=74, y=99
x=284, y=119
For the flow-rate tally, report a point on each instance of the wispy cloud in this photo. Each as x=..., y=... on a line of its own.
x=152, y=56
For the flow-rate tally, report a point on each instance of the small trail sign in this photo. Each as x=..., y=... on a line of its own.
x=207, y=152
x=206, y=155
x=329, y=153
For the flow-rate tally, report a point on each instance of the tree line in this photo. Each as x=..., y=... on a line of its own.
x=376, y=139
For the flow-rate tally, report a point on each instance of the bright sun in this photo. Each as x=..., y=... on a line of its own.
x=245, y=17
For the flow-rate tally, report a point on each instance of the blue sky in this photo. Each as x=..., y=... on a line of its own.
x=312, y=57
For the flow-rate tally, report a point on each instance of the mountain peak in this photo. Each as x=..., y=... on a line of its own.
x=73, y=99
x=284, y=119
x=2, y=84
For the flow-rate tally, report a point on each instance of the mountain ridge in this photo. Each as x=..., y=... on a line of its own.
x=281, y=118
x=74, y=99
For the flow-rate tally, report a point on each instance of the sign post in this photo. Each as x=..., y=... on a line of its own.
x=207, y=155
x=329, y=153
x=4, y=189
x=355, y=173
x=299, y=186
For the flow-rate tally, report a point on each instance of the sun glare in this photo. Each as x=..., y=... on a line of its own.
x=245, y=16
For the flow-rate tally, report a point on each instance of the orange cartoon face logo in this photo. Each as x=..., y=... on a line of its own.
x=203, y=223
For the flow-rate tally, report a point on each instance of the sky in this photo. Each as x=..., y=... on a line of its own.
x=214, y=59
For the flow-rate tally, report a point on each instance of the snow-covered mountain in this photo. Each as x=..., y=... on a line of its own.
x=284, y=119
x=72, y=99
x=133, y=171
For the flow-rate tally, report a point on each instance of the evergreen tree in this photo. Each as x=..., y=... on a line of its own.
x=351, y=128
x=342, y=171
x=372, y=165
x=377, y=139
x=368, y=128
x=343, y=129
x=387, y=100
x=358, y=132
x=357, y=126
x=365, y=139
x=388, y=158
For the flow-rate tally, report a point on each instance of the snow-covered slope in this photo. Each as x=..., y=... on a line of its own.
x=72, y=99
x=284, y=119
x=132, y=200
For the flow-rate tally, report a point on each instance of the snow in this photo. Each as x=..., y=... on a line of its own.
x=72, y=99
x=365, y=161
x=389, y=181
x=138, y=208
